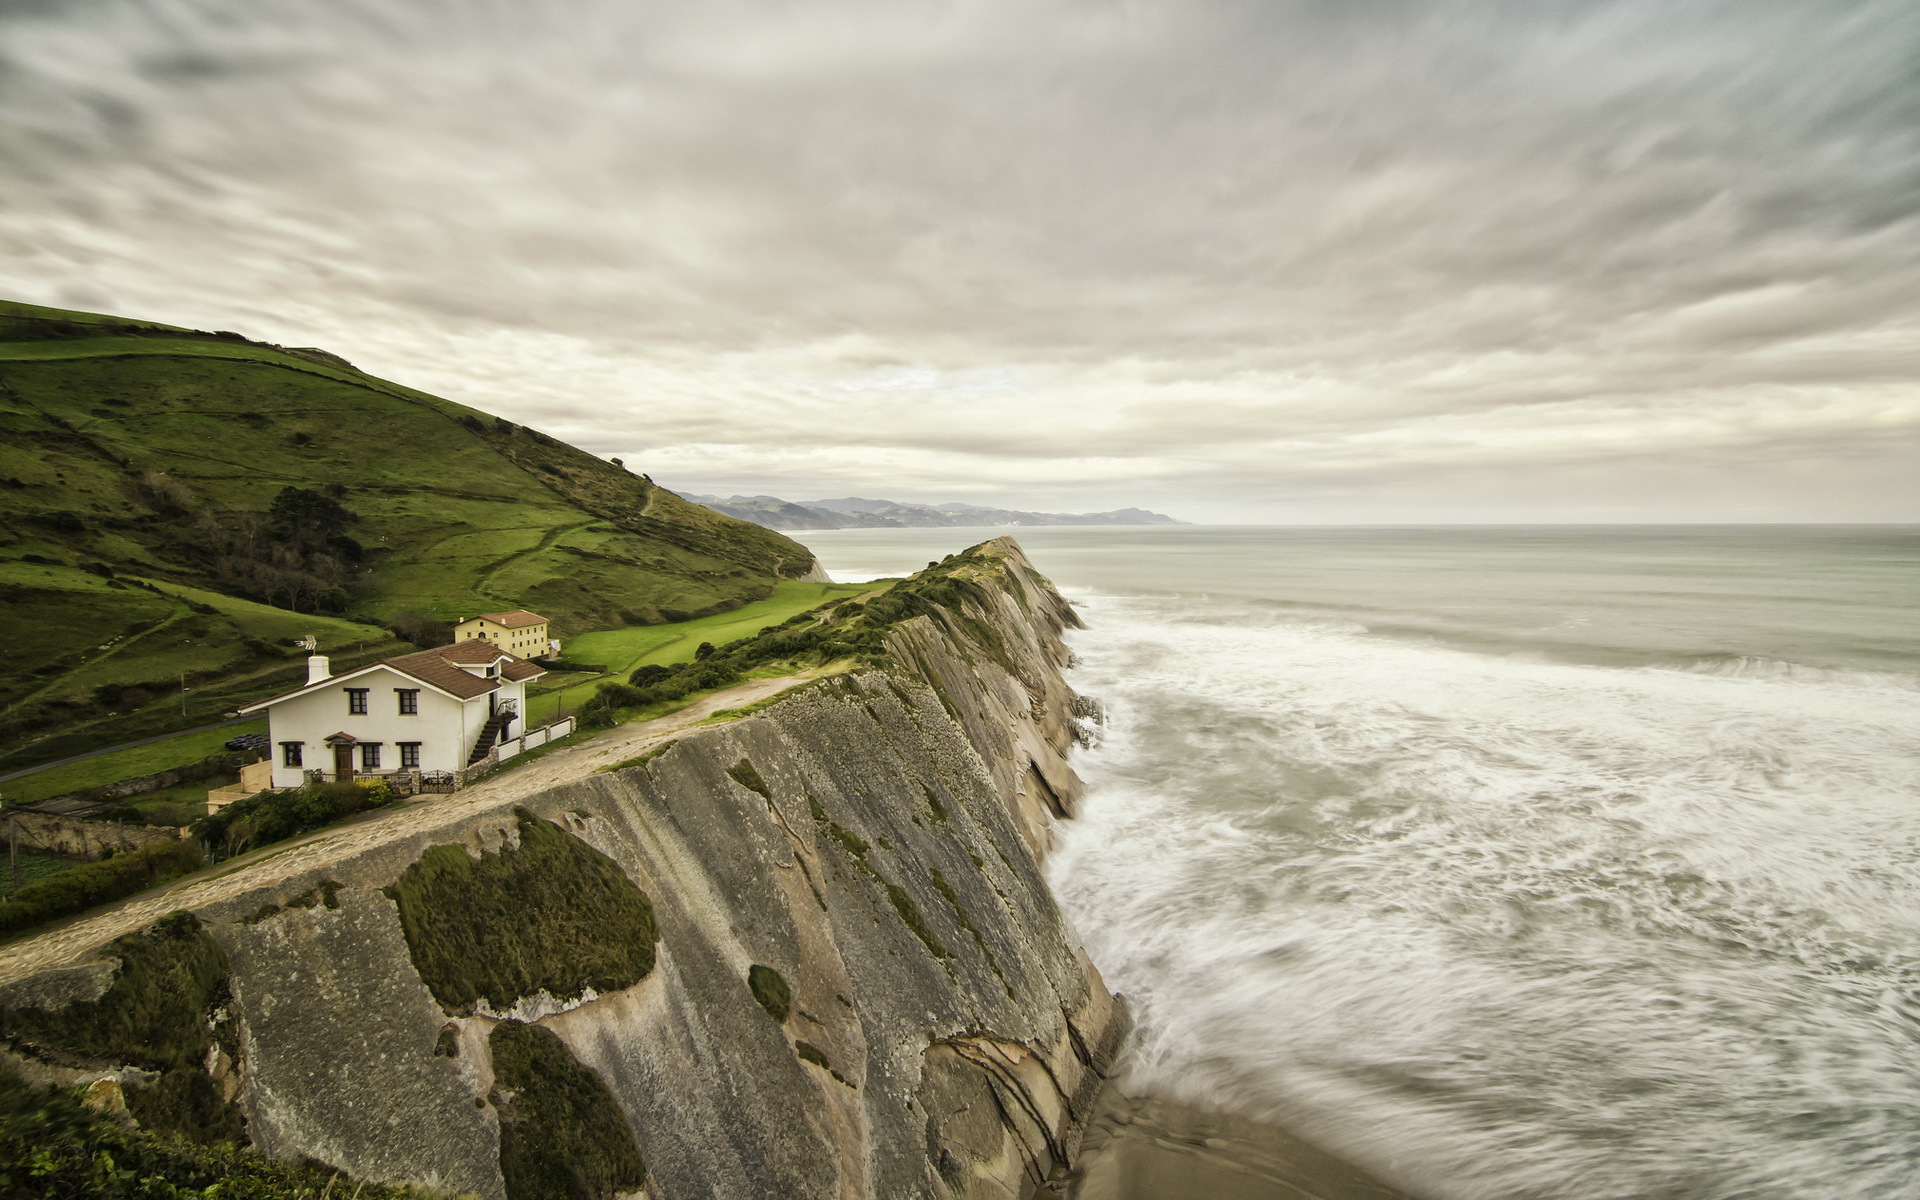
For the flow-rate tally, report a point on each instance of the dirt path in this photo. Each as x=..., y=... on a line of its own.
x=64, y=943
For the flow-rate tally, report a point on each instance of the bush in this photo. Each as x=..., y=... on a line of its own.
x=562, y=1135
x=53, y=1145
x=421, y=630
x=567, y=664
x=770, y=989
x=93, y=883
x=274, y=816
x=650, y=674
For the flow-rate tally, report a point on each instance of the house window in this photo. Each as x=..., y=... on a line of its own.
x=290, y=753
x=357, y=700
x=409, y=756
x=369, y=756
x=409, y=700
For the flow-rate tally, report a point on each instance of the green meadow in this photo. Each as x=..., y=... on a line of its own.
x=622, y=650
x=619, y=650
x=137, y=486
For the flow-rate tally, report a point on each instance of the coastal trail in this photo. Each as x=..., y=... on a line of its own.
x=272, y=864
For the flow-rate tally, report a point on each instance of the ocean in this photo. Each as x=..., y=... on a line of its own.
x=1546, y=862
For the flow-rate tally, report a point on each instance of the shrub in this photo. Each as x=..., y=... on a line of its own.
x=93, y=883
x=650, y=673
x=274, y=816
x=421, y=630
x=53, y=1145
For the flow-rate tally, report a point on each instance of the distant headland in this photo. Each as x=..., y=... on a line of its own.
x=854, y=512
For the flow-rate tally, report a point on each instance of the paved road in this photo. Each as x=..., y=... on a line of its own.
x=65, y=943
x=161, y=737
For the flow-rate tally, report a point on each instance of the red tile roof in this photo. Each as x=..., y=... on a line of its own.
x=476, y=652
x=436, y=667
x=516, y=619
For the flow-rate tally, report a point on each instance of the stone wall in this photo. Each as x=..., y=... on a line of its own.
x=76, y=837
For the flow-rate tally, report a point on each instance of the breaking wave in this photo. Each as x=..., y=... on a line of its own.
x=1502, y=927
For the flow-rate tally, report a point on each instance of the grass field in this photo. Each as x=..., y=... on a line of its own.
x=33, y=868
x=621, y=650
x=124, y=764
x=114, y=583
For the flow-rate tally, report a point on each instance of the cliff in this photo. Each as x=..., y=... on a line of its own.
x=806, y=953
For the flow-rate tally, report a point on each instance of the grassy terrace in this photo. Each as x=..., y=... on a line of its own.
x=125, y=764
x=622, y=650
x=619, y=650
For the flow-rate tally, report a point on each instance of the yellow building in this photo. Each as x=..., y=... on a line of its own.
x=518, y=632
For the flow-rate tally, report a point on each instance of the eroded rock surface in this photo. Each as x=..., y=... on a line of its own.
x=870, y=842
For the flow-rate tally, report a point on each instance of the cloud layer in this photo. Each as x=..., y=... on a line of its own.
x=1289, y=260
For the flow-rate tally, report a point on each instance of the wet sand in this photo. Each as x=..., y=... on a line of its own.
x=1147, y=1148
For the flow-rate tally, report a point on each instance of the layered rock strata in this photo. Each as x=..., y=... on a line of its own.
x=805, y=953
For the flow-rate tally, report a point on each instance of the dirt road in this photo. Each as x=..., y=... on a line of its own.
x=64, y=943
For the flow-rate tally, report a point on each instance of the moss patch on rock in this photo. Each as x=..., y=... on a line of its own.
x=156, y=1014
x=553, y=915
x=562, y=1136
x=744, y=774
x=770, y=989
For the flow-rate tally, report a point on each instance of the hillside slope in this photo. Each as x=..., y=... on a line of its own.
x=149, y=530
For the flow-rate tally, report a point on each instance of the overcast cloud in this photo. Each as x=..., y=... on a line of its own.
x=1273, y=260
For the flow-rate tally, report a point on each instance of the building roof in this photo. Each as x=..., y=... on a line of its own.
x=516, y=619
x=475, y=652
x=433, y=667
x=478, y=653
x=437, y=669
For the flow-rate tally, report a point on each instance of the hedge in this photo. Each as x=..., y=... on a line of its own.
x=84, y=886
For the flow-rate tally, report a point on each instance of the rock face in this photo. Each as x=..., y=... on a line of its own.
x=807, y=953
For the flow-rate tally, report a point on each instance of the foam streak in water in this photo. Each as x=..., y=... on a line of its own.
x=1496, y=927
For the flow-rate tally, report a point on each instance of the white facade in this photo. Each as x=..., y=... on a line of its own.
x=370, y=706
x=518, y=632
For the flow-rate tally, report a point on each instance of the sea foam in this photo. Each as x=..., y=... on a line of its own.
x=1496, y=926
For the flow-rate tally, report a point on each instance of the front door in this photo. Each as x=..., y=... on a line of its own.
x=343, y=764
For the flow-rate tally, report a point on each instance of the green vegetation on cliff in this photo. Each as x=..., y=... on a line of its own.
x=157, y=1014
x=55, y=1147
x=65, y=892
x=551, y=914
x=562, y=1136
x=770, y=991
x=173, y=496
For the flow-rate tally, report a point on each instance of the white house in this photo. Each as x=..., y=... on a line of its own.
x=436, y=710
x=518, y=632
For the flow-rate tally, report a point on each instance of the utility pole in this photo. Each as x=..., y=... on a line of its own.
x=13, y=848
x=183, y=693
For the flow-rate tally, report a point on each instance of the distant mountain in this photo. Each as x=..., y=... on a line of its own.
x=856, y=512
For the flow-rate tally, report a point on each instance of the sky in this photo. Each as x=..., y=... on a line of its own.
x=1266, y=261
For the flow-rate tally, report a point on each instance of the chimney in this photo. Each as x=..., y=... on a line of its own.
x=317, y=668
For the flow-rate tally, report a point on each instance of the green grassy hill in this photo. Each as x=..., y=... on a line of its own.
x=143, y=542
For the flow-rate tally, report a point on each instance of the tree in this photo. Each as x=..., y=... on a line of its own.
x=308, y=517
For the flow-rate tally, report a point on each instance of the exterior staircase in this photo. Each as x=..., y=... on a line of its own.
x=489, y=734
